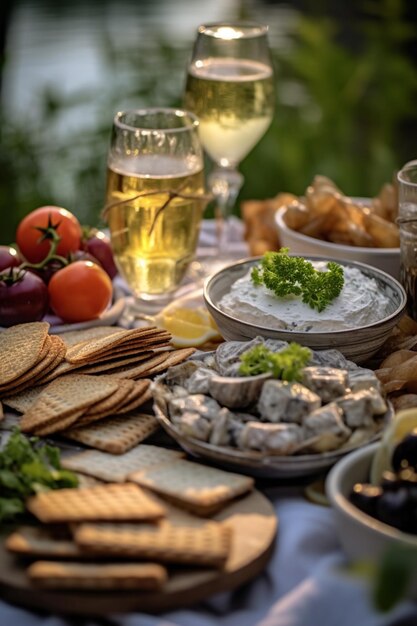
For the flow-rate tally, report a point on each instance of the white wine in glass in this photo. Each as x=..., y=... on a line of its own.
x=230, y=87
x=155, y=187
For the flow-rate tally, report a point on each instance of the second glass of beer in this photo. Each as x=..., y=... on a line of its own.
x=154, y=198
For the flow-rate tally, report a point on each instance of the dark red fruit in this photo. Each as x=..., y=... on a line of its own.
x=23, y=297
x=98, y=245
x=9, y=257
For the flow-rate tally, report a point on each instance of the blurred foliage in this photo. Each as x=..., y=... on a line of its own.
x=342, y=112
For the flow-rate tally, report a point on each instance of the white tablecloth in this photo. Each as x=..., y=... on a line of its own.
x=304, y=583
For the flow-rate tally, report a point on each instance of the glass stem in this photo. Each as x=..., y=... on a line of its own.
x=225, y=184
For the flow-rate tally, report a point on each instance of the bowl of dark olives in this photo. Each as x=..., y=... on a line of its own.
x=371, y=517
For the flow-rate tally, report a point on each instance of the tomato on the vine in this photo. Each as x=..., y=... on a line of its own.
x=34, y=236
x=79, y=292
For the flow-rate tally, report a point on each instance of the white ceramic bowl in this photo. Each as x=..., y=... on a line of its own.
x=357, y=344
x=386, y=259
x=362, y=536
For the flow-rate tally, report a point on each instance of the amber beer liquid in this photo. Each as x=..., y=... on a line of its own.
x=234, y=101
x=153, y=246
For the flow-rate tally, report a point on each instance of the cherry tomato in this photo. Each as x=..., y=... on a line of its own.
x=80, y=291
x=23, y=297
x=98, y=244
x=33, y=233
x=9, y=257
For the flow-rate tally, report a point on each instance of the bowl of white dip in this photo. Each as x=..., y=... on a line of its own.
x=357, y=322
x=386, y=259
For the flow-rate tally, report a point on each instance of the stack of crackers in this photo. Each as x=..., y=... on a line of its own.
x=140, y=511
x=59, y=383
x=147, y=515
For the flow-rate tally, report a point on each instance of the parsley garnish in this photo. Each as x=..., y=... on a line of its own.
x=285, y=275
x=28, y=466
x=286, y=365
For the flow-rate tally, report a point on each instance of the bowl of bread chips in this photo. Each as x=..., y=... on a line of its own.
x=325, y=222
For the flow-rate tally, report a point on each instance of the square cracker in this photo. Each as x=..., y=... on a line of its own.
x=115, y=434
x=207, y=545
x=136, y=397
x=113, y=468
x=57, y=575
x=23, y=401
x=198, y=488
x=43, y=369
x=73, y=337
x=102, y=502
x=89, y=350
x=139, y=370
x=65, y=396
x=173, y=358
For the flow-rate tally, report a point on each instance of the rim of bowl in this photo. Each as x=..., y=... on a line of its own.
x=380, y=274
x=339, y=501
x=279, y=219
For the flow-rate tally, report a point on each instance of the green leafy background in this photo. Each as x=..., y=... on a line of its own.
x=346, y=111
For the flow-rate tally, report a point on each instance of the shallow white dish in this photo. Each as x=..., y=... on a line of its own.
x=362, y=536
x=258, y=464
x=386, y=259
x=357, y=344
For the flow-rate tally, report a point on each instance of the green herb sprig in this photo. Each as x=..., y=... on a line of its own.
x=285, y=275
x=28, y=466
x=286, y=365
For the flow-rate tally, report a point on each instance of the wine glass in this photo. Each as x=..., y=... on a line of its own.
x=230, y=87
x=154, y=200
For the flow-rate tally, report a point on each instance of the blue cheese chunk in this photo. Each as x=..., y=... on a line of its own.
x=281, y=401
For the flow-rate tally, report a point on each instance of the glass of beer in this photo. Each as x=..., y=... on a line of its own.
x=230, y=87
x=154, y=198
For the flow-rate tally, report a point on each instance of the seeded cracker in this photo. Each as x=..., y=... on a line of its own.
x=106, y=366
x=74, y=337
x=137, y=403
x=136, y=397
x=55, y=355
x=66, y=396
x=20, y=347
x=114, y=400
x=23, y=401
x=89, y=350
x=141, y=369
x=173, y=358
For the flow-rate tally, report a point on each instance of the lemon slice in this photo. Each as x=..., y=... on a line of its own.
x=403, y=423
x=188, y=327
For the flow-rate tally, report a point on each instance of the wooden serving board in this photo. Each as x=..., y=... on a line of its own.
x=254, y=526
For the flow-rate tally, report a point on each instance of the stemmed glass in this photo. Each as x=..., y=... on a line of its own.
x=230, y=87
x=154, y=200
